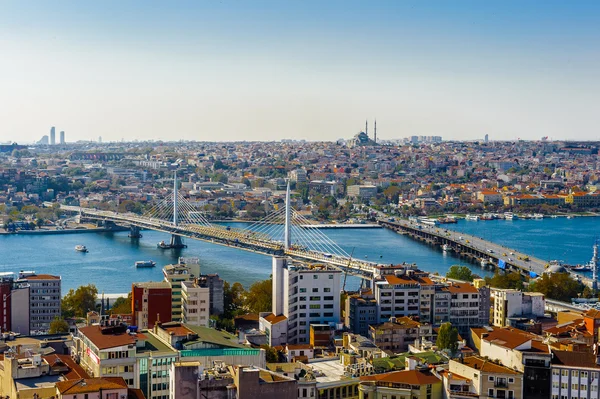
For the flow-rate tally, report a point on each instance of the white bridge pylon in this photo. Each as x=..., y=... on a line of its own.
x=285, y=226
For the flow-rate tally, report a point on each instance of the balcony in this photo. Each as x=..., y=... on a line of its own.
x=500, y=383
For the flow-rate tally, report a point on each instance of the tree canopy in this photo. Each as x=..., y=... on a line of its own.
x=259, y=297
x=121, y=305
x=558, y=286
x=458, y=272
x=78, y=302
x=505, y=280
x=58, y=326
x=447, y=337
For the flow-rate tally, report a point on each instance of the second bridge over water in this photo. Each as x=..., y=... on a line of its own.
x=470, y=246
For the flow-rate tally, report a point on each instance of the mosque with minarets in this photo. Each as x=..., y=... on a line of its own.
x=362, y=138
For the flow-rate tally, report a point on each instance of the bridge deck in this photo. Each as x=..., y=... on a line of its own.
x=228, y=236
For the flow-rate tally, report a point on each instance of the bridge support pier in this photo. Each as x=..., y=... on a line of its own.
x=177, y=242
x=134, y=232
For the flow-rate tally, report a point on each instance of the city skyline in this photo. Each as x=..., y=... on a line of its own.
x=268, y=70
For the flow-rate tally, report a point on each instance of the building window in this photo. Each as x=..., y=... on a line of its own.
x=331, y=276
x=315, y=276
x=490, y=378
x=491, y=392
x=302, y=289
x=315, y=290
x=326, y=289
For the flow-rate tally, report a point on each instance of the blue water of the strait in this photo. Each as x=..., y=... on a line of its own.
x=109, y=264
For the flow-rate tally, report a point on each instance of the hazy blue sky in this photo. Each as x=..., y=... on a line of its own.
x=246, y=70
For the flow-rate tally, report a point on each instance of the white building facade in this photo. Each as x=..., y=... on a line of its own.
x=306, y=294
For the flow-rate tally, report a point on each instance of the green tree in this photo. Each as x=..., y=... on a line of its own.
x=233, y=299
x=505, y=280
x=122, y=305
x=259, y=296
x=558, y=286
x=78, y=302
x=271, y=354
x=458, y=272
x=58, y=326
x=447, y=337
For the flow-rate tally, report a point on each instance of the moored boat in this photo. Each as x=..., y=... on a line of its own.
x=472, y=217
x=145, y=263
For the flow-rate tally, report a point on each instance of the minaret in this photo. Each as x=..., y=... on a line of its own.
x=375, y=133
x=366, y=127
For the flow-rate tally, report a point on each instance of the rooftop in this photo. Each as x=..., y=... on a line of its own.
x=90, y=385
x=575, y=359
x=486, y=366
x=411, y=377
x=105, y=341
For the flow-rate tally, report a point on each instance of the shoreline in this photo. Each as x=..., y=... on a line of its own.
x=68, y=231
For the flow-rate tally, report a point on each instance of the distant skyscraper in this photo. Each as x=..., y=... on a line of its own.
x=99, y=139
x=52, y=135
x=62, y=136
x=487, y=138
x=44, y=140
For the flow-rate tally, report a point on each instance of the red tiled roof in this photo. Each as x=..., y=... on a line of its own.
x=43, y=277
x=271, y=318
x=105, y=341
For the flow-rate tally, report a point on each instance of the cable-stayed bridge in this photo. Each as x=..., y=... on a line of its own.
x=284, y=232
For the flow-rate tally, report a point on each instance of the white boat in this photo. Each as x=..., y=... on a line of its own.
x=445, y=247
x=81, y=248
x=472, y=217
x=163, y=245
x=428, y=221
x=538, y=216
x=145, y=263
x=509, y=216
x=484, y=262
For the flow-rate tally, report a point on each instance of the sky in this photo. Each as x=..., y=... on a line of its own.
x=299, y=69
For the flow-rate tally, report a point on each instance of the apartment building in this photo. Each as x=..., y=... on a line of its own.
x=397, y=292
x=175, y=275
x=574, y=375
x=151, y=302
x=474, y=376
x=514, y=303
x=395, y=335
x=195, y=302
x=44, y=299
x=362, y=191
x=305, y=294
x=522, y=351
x=360, y=312
x=107, y=351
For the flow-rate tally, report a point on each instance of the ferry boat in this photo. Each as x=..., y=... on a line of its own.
x=163, y=245
x=145, y=263
x=81, y=248
x=428, y=221
x=509, y=216
x=472, y=217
